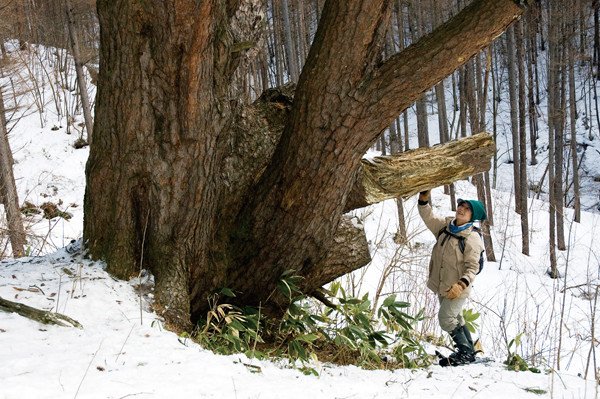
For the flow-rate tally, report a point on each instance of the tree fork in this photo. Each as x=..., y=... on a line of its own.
x=165, y=137
x=379, y=179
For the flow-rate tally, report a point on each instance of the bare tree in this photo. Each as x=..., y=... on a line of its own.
x=85, y=102
x=553, y=79
x=290, y=48
x=514, y=115
x=8, y=189
x=522, y=178
x=570, y=48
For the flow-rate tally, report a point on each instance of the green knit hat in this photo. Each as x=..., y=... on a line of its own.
x=476, y=208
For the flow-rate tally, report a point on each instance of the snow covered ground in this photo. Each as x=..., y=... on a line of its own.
x=123, y=351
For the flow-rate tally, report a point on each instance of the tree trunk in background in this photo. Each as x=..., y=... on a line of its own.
x=596, y=52
x=422, y=122
x=277, y=43
x=264, y=69
x=421, y=104
x=440, y=97
x=495, y=101
x=531, y=64
x=290, y=47
x=402, y=45
x=301, y=33
x=85, y=102
x=514, y=114
x=559, y=128
x=524, y=187
x=8, y=189
x=483, y=127
x=251, y=204
x=478, y=180
x=552, y=84
x=395, y=139
x=440, y=94
x=462, y=90
x=395, y=148
x=573, y=115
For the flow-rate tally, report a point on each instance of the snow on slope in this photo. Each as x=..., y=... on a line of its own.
x=117, y=355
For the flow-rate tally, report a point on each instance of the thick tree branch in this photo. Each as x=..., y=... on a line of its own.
x=42, y=316
x=405, y=174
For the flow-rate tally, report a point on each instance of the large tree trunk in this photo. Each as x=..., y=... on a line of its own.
x=163, y=113
x=217, y=205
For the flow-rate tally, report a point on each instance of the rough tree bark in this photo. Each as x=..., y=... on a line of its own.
x=219, y=207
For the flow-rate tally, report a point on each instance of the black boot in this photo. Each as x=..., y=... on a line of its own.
x=463, y=342
x=468, y=336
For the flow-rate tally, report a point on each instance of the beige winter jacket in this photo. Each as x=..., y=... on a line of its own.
x=448, y=264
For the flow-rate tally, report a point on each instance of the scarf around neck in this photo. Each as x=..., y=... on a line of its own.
x=455, y=229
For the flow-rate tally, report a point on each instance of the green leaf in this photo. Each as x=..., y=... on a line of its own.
x=335, y=288
x=236, y=325
x=252, y=353
x=389, y=300
x=364, y=321
x=373, y=355
x=358, y=332
x=285, y=288
x=307, y=337
x=296, y=350
x=294, y=279
x=227, y=292
x=536, y=391
x=353, y=301
x=380, y=337
x=401, y=304
x=285, y=273
x=293, y=287
x=344, y=340
x=309, y=371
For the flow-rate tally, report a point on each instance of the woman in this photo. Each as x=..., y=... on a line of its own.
x=452, y=269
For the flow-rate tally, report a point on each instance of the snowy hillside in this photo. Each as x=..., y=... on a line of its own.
x=121, y=353
x=124, y=351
